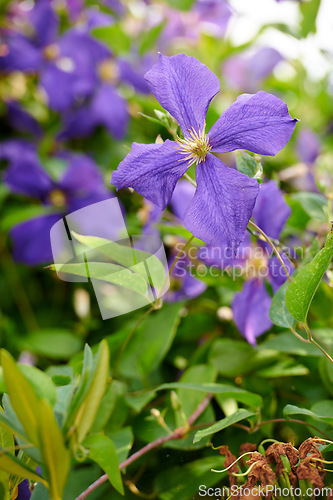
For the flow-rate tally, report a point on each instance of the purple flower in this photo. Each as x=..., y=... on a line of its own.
x=66, y=64
x=251, y=305
x=208, y=16
x=24, y=492
x=81, y=184
x=245, y=73
x=224, y=199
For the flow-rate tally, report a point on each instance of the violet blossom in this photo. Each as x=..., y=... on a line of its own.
x=80, y=185
x=224, y=198
x=251, y=306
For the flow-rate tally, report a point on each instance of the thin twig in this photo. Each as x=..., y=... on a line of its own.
x=177, y=434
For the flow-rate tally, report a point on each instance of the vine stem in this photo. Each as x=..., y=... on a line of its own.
x=177, y=434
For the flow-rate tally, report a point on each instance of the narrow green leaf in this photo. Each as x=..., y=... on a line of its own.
x=228, y=391
x=309, y=12
x=301, y=291
x=103, y=451
x=41, y=383
x=295, y=410
x=56, y=456
x=11, y=464
x=22, y=397
x=87, y=412
x=6, y=442
x=222, y=424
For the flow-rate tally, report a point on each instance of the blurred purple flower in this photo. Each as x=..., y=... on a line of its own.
x=80, y=185
x=208, y=16
x=224, y=199
x=243, y=72
x=66, y=64
x=21, y=120
x=308, y=146
x=24, y=492
x=251, y=305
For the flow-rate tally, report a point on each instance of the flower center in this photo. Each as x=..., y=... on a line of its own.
x=195, y=146
x=51, y=52
x=108, y=71
x=57, y=198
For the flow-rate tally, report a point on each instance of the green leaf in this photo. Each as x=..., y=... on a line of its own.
x=181, y=4
x=53, y=343
x=150, y=342
x=22, y=397
x=56, y=457
x=278, y=312
x=288, y=343
x=11, y=464
x=295, y=410
x=248, y=165
x=183, y=482
x=6, y=441
x=240, y=414
x=301, y=291
x=283, y=368
x=21, y=214
x=309, y=12
x=228, y=391
x=315, y=205
x=88, y=409
x=150, y=38
x=103, y=451
x=113, y=37
x=231, y=357
x=123, y=441
x=41, y=383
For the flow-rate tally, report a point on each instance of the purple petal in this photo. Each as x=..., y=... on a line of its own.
x=58, y=86
x=223, y=257
x=110, y=110
x=45, y=22
x=24, y=492
x=82, y=177
x=78, y=123
x=31, y=240
x=214, y=14
x=152, y=170
x=188, y=287
x=184, y=87
x=262, y=63
x=308, y=146
x=22, y=55
x=27, y=177
x=271, y=212
x=222, y=205
x=16, y=149
x=181, y=198
x=22, y=121
x=251, y=310
x=257, y=122
x=133, y=75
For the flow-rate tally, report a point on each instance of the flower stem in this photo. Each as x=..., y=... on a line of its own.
x=177, y=434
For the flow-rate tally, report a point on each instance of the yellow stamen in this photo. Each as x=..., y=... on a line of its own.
x=195, y=146
x=57, y=198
